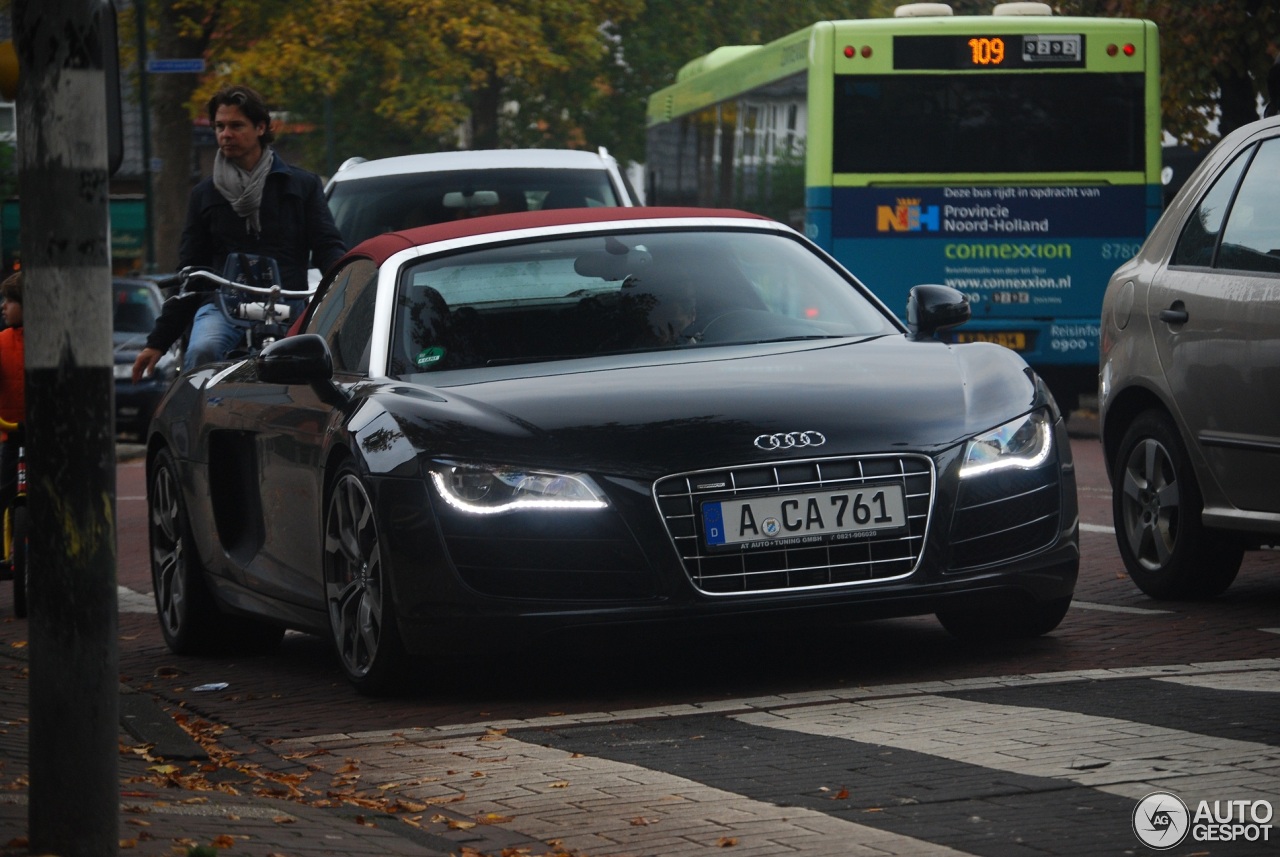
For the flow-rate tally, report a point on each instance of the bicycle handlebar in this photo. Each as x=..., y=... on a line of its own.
x=187, y=274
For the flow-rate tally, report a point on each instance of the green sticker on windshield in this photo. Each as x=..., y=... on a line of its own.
x=429, y=357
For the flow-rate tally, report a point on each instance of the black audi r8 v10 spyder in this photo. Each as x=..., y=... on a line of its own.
x=600, y=416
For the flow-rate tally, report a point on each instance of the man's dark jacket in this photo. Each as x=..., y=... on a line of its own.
x=297, y=231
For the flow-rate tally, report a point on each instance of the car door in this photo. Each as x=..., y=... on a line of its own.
x=291, y=425
x=1216, y=319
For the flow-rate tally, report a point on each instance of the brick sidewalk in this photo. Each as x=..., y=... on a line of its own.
x=221, y=792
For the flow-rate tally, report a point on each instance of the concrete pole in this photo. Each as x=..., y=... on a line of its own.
x=62, y=179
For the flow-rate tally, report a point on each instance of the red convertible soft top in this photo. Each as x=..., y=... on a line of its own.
x=381, y=247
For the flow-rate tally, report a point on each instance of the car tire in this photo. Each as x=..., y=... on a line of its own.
x=1156, y=506
x=361, y=606
x=190, y=620
x=21, y=534
x=1005, y=620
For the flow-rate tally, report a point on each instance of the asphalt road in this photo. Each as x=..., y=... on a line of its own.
x=888, y=736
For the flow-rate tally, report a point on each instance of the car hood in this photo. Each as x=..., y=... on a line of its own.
x=882, y=395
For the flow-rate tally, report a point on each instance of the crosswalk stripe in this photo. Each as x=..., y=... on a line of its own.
x=1117, y=756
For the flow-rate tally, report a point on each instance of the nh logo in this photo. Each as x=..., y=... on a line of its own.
x=907, y=216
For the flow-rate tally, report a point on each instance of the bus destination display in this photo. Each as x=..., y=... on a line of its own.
x=988, y=51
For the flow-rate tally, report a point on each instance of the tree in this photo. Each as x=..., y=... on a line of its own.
x=445, y=73
x=185, y=29
x=1214, y=58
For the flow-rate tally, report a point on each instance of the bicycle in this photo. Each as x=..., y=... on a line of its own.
x=17, y=527
x=249, y=295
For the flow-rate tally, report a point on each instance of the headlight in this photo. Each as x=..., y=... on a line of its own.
x=485, y=490
x=1022, y=443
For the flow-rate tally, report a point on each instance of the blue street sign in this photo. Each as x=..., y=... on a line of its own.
x=183, y=66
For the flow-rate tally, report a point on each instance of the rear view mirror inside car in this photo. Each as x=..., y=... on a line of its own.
x=470, y=200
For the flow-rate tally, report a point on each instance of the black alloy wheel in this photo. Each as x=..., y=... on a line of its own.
x=1004, y=620
x=357, y=591
x=190, y=619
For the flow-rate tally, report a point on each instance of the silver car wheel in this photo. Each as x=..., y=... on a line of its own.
x=353, y=575
x=1151, y=504
x=1156, y=507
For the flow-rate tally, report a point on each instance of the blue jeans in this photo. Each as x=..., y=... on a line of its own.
x=212, y=336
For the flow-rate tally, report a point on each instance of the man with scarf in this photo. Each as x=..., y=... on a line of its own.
x=253, y=203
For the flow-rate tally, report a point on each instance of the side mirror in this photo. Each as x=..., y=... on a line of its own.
x=301, y=359
x=933, y=308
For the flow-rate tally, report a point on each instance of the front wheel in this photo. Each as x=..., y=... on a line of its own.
x=362, y=617
x=21, y=533
x=1156, y=505
x=1005, y=621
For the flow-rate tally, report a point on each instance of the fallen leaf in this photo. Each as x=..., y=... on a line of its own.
x=224, y=841
x=843, y=794
x=641, y=821
x=18, y=644
x=283, y=819
x=560, y=785
x=459, y=824
x=726, y=841
x=494, y=818
x=128, y=843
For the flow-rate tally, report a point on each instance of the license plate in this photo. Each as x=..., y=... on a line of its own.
x=1015, y=339
x=819, y=516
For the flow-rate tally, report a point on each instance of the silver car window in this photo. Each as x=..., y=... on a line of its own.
x=1251, y=240
x=1200, y=235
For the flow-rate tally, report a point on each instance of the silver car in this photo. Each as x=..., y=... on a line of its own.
x=1189, y=384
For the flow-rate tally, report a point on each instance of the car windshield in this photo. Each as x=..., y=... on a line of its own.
x=135, y=309
x=363, y=208
x=629, y=292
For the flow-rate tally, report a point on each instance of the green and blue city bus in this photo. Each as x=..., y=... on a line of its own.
x=1013, y=156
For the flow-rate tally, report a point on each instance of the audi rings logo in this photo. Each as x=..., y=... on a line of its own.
x=790, y=440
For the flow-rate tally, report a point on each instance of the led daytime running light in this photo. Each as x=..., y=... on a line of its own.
x=447, y=493
x=1007, y=460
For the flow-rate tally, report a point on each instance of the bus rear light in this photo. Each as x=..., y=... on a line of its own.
x=866, y=51
x=1128, y=50
x=850, y=51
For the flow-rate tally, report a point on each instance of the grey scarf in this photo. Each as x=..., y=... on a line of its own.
x=243, y=189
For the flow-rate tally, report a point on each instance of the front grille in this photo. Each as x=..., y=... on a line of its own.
x=729, y=571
